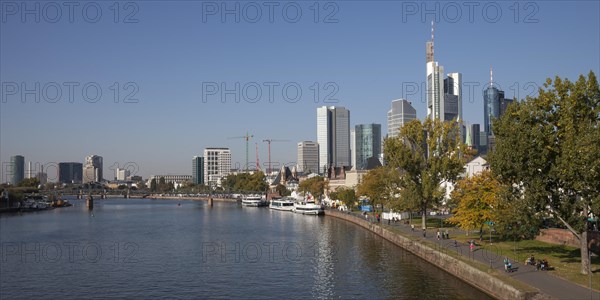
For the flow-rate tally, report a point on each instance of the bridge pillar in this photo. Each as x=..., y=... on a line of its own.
x=90, y=202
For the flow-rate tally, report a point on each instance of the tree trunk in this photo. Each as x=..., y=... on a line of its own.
x=585, y=258
x=424, y=218
x=583, y=240
x=481, y=233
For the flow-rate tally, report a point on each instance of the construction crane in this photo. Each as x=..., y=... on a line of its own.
x=247, y=137
x=257, y=161
x=269, y=141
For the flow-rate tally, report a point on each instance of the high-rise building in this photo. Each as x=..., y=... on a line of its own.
x=70, y=172
x=42, y=177
x=217, y=164
x=368, y=143
x=17, y=169
x=401, y=113
x=473, y=139
x=92, y=170
x=308, y=157
x=198, y=170
x=352, y=147
x=435, y=78
x=444, y=96
x=494, y=104
x=30, y=173
x=504, y=103
x=333, y=136
x=453, y=97
x=483, y=142
x=122, y=174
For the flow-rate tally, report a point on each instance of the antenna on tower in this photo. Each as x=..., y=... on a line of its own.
x=432, y=44
x=491, y=76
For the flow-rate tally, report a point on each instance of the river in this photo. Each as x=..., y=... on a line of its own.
x=143, y=248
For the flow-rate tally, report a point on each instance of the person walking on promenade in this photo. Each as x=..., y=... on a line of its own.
x=412, y=227
x=471, y=245
x=438, y=234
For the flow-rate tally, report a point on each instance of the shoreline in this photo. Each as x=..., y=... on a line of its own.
x=471, y=275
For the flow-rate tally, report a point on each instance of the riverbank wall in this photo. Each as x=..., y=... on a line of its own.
x=440, y=258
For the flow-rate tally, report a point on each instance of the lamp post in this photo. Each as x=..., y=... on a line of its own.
x=590, y=271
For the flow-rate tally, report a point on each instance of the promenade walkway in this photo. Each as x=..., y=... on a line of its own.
x=548, y=284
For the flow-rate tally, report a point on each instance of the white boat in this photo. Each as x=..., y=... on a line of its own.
x=308, y=208
x=254, y=200
x=282, y=204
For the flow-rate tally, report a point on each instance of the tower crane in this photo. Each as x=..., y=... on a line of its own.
x=247, y=137
x=269, y=141
x=257, y=161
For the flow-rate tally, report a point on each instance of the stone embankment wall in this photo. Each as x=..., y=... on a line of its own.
x=440, y=258
x=565, y=237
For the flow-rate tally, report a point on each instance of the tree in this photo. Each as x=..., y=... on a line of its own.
x=548, y=152
x=163, y=186
x=153, y=185
x=282, y=190
x=427, y=154
x=140, y=185
x=345, y=194
x=381, y=186
x=477, y=201
x=315, y=185
x=245, y=182
x=29, y=182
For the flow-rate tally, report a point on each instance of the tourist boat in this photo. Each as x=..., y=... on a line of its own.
x=308, y=207
x=286, y=204
x=254, y=200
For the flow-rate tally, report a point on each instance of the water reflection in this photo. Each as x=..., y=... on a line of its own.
x=159, y=249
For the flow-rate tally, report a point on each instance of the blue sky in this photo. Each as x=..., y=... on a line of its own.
x=362, y=54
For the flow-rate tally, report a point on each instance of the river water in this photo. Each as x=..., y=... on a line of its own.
x=143, y=248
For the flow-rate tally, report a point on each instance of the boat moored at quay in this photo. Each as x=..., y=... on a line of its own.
x=284, y=204
x=254, y=201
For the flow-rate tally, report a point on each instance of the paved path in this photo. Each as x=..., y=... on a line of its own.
x=548, y=284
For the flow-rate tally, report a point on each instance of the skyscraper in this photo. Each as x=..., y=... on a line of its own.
x=352, y=147
x=444, y=96
x=453, y=97
x=92, y=171
x=333, y=136
x=435, y=77
x=504, y=103
x=122, y=174
x=401, y=113
x=198, y=170
x=308, y=157
x=368, y=143
x=473, y=138
x=217, y=164
x=70, y=172
x=17, y=169
x=494, y=105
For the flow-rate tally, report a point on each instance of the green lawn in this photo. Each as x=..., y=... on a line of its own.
x=502, y=276
x=565, y=259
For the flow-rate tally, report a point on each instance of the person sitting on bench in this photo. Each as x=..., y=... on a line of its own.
x=530, y=261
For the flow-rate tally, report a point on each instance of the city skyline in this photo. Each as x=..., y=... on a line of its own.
x=172, y=69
